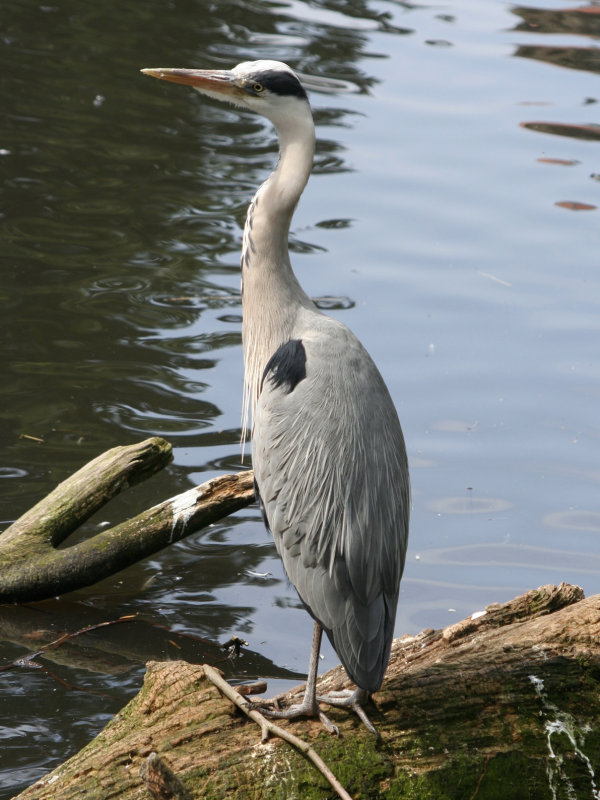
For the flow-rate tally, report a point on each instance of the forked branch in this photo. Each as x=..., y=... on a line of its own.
x=268, y=728
x=31, y=566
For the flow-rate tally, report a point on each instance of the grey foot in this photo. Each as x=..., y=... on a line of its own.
x=353, y=700
x=304, y=709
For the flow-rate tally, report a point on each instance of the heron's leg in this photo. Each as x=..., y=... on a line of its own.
x=309, y=706
x=354, y=700
x=310, y=693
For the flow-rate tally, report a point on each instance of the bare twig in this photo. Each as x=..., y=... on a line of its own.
x=269, y=728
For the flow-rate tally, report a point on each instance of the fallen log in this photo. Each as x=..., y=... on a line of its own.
x=33, y=568
x=504, y=704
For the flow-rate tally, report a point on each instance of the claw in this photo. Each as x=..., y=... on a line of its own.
x=353, y=700
x=329, y=726
x=309, y=707
x=304, y=709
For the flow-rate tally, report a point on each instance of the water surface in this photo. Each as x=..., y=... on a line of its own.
x=447, y=218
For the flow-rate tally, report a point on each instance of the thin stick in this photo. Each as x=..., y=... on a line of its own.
x=267, y=727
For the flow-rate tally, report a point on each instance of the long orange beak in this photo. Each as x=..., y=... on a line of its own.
x=211, y=81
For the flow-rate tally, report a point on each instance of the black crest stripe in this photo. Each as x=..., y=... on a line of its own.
x=279, y=82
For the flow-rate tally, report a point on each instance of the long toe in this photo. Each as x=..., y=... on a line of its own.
x=304, y=709
x=353, y=700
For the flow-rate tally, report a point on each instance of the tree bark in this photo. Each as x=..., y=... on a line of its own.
x=31, y=566
x=503, y=705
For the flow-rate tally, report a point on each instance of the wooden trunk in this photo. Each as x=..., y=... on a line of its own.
x=505, y=705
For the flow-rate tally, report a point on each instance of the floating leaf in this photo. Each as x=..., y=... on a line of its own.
x=565, y=162
x=574, y=206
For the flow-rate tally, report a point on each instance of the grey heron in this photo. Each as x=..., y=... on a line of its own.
x=327, y=448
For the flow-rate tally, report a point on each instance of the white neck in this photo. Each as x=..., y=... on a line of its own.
x=271, y=294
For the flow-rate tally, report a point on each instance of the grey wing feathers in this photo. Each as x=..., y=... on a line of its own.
x=330, y=465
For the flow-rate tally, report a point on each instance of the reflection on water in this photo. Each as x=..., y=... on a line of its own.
x=512, y=557
x=469, y=505
x=586, y=132
x=57, y=634
x=581, y=20
x=435, y=224
x=585, y=58
x=575, y=520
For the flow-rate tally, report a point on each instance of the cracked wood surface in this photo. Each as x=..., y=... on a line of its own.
x=505, y=704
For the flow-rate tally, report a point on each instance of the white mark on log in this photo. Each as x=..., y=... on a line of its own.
x=538, y=684
x=541, y=648
x=276, y=765
x=182, y=508
x=477, y=614
x=558, y=722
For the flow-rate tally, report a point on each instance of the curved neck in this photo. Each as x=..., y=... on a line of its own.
x=271, y=294
x=270, y=212
x=296, y=153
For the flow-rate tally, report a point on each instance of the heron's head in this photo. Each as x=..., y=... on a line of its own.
x=269, y=88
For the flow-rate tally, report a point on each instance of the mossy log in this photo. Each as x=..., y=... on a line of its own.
x=505, y=704
x=33, y=568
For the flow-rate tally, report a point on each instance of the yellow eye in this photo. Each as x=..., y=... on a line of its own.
x=258, y=87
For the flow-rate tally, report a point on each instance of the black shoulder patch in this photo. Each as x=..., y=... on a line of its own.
x=280, y=82
x=287, y=366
